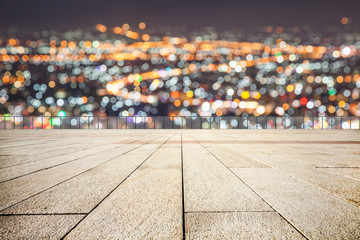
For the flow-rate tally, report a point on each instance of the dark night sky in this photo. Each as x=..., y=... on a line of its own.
x=65, y=14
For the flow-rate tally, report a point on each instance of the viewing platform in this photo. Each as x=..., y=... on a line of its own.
x=179, y=183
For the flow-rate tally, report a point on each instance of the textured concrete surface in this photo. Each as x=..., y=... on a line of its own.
x=239, y=225
x=36, y=226
x=175, y=184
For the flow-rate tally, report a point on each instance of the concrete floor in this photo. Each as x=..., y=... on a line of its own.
x=162, y=184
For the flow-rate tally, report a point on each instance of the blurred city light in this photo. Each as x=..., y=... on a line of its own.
x=120, y=71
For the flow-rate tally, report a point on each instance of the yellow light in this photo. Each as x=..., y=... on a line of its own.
x=177, y=103
x=63, y=43
x=341, y=104
x=88, y=44
x=92, y=57
x=12, y=42
x=290, y=88
x=146, y=37
x=131, y=34
x=51, y=84
x=142, y=25
x=339, y=79
x=42, y=109
x=126, y=26
x=101, y=28
x=310, y=79
x=84, y=99
x=257, y=95
x=245, y=95
x=136, y=83
x=285, y=106
x=331, y=109
x=118, y=30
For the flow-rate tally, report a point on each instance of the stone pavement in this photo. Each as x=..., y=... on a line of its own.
x=175, y=184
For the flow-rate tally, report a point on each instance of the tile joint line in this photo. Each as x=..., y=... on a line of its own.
x=182, y=189
x=302, y=234
x=75, y=176
x=66, y=234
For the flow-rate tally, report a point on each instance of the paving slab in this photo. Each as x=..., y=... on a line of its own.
x=210, y=186
x=322, y=159
x=82, y=193
x=21, y=155
x=343, y=187
x=353, y=173
x=147, y=205
x=46, y=163
x=36, y=227
x=239, y=225
x=10, y=160
x=317, y=214
x=233, y=157
x=13, y=147
x=40, y=181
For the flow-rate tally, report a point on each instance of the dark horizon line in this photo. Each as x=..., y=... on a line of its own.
x=255, y=29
